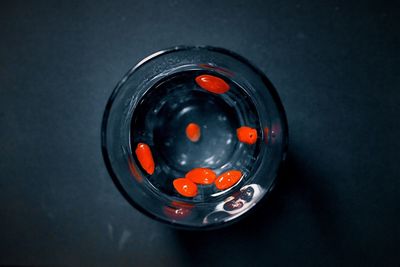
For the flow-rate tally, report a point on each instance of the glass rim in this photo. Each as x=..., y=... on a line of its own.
x=121, y=83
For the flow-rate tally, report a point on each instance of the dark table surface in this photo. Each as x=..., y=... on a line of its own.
x=335, y=65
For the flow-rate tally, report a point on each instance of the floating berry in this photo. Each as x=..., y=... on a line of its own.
x=185, y=187
x=193, y=132
x=247, y=135
x=201, y=176
x=228, y=179
x=212, y=84
x=143, y=153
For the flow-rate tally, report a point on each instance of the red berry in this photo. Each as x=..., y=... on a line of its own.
x=247, y=135
x=193, y=132
x=212, y=84
x=185, y=187
x=143, y=153
x=201, y=176
x=228, y=179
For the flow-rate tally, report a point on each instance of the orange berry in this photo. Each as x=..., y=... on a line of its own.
x=247, y=135
x=212, y=84
x=193, y=132
x=201, y=176
x=228, y=179
x=143, y=153
x=185, y=187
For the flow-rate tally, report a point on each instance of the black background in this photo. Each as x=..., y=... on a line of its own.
x=335, y=65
